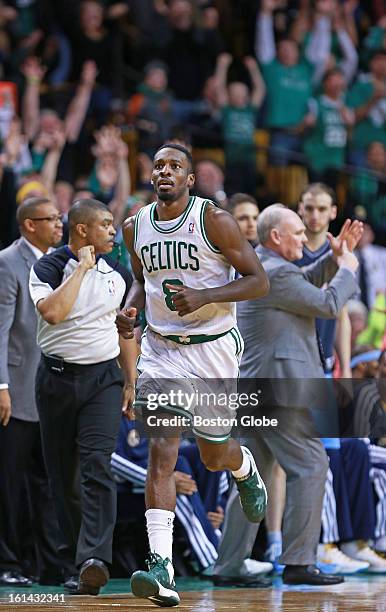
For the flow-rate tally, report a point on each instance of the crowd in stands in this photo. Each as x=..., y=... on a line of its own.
x=269, y=96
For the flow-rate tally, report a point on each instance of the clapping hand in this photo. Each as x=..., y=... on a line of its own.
x=350, y=233
x=347, y=259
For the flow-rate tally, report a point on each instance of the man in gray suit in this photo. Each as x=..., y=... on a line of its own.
x=20, y=447
x=280, y=342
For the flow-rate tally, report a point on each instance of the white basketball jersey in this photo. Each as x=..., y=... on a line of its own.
x=178, y=252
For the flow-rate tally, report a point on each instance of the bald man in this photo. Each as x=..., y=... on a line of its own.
x=280, y=342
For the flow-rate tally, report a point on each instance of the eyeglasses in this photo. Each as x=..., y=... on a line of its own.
x=51, y=219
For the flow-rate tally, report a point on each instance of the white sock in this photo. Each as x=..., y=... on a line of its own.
x=160, y=532
x=245, y=468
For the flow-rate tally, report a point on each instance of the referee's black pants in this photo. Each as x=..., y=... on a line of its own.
x=80, y=409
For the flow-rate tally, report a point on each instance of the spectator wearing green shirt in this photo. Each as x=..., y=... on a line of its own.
x=368, y=191
x=325, y=145
x=368, y=98
x=239, y=109
x=288, y=79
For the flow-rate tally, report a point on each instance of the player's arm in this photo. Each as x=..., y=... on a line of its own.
x=223, y=231
x=135, y=300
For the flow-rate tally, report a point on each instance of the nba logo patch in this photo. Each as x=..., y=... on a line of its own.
x=191, y=228
x=111, y=287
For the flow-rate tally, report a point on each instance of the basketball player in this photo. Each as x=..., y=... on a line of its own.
x=183, y=250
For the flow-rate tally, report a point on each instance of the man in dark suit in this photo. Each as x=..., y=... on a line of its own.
x=280, y=343
x=21, y=458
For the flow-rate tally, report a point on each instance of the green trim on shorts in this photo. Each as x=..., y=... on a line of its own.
x=215, y=439
x=209, y=244
x=239, y=346
x=194, y=339
x=175, y=410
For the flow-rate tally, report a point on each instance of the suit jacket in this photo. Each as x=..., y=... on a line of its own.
x=279, y=329
x=19, y=353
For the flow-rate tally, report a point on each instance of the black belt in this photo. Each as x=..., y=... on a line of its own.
x=57, y=364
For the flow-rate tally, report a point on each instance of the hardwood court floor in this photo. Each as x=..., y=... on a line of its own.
x=357, y=594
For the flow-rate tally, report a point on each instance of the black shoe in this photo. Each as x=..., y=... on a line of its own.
x=308, y=574
x=252, y=582
x=71, y=583
x=92, y=576
x=12, y=579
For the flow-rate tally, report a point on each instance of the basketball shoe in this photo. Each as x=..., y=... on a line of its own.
x=155, y=584
x=252, y=491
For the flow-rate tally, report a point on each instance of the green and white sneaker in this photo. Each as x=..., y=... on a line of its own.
x=252, y=491
x=155, y=584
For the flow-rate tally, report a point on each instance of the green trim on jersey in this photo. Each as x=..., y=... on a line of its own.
x=180, y=222
x=136, y=223
x=209, y=244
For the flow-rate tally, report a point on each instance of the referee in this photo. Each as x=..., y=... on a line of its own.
x=80, y=390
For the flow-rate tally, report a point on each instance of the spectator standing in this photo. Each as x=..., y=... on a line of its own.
x=325, y=145
x=150, y=109
x=239, y=111
x=367, y=98
x=367, y=191
x=190, y=53
x=287, y=77
x=92, y=40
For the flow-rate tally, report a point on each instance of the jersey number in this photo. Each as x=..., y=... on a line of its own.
x=169, y=292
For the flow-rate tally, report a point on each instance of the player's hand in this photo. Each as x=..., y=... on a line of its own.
x=5, y=407
x=185, y=485
x=86, y=256
x=185, y=299
x=216, y=518
x=128, y=397
x=125, y=321
x=350, y=233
